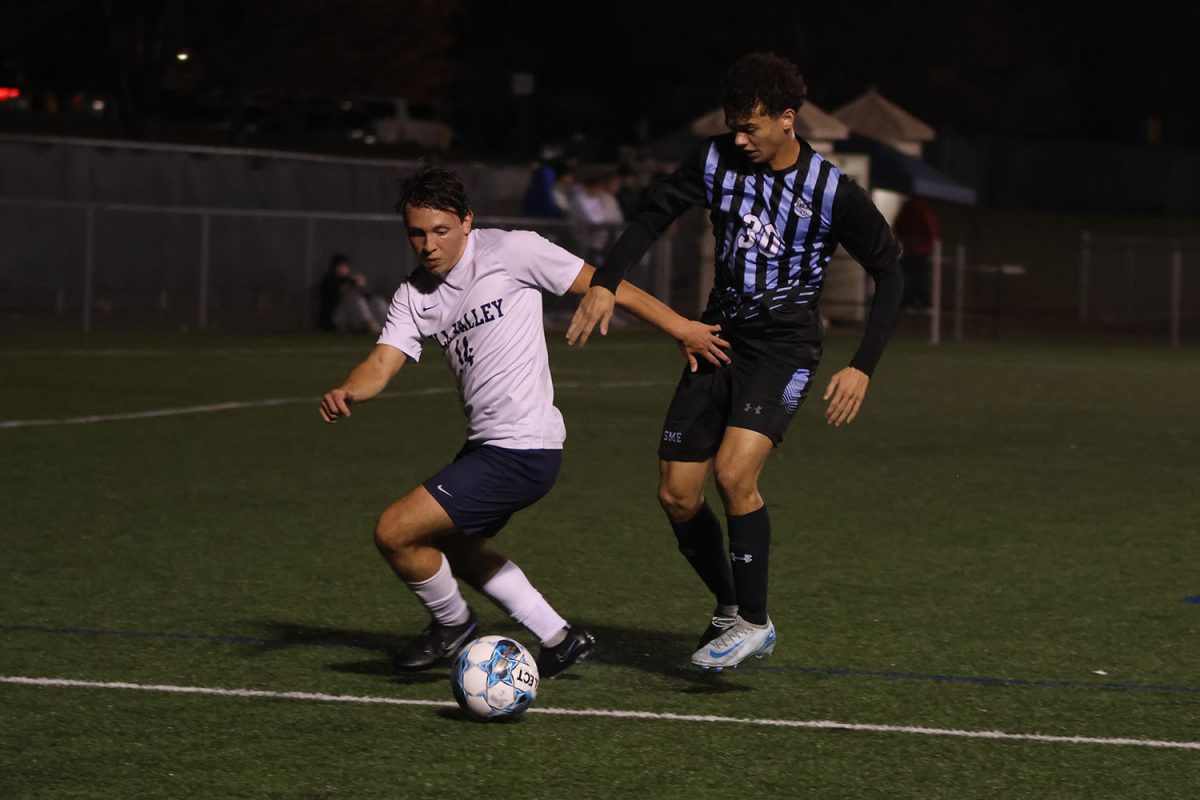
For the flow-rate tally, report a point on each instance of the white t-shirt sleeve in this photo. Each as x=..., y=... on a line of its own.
x=536, y=262
x=400, y=331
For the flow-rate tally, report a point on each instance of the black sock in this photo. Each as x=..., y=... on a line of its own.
x=702, y=544
x=749, y=555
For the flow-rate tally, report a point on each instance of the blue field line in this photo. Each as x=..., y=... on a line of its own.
x=832, y=672
x=979, y=680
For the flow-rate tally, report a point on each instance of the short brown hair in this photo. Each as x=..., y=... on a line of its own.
x=434, y=187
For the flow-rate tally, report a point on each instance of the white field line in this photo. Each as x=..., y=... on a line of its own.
x=165, y=352
x=279, y=401
x=144, y=352
x=596, y=712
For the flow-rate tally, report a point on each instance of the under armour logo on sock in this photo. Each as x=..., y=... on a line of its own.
x=746, y=559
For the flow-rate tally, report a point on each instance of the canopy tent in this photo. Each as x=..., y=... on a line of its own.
x=903, y=173
x=872, y=114
x=812, y=124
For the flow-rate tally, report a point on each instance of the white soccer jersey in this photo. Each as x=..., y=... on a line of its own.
x=487, y=318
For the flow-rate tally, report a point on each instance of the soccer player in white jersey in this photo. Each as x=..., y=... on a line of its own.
x=477, y=296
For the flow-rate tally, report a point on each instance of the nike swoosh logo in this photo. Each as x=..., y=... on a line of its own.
x=443, y=491
x=426, y=308
x=722, y=654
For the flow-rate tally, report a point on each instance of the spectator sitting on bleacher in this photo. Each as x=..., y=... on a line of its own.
x=593, y=204
x=346, y=303
x=564, y=184
x=539, y=199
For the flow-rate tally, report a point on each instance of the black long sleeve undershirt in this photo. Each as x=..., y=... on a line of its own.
x=856, y=224
x=864, y=233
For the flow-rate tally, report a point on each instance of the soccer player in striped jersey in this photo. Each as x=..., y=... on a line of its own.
x=778, y=211
x=477, y=296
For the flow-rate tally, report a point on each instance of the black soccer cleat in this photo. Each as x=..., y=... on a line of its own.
x=718, y=625
x=435, y=646
x=577, y=646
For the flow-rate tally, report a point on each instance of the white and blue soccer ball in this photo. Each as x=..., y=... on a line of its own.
x=494, y=679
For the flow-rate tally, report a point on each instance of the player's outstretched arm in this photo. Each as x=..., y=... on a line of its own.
x=694, y=338
x=366, y=380
x=661, y=204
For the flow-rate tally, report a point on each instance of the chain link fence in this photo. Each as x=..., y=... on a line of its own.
x=1139, y=284
x=108, y=266
x=120, y=267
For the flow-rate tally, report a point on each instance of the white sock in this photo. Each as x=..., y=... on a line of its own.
x=512, y=591
x=442, y=597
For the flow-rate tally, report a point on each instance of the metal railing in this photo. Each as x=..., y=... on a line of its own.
x=960, y=273
x=1145, y=280
x=183, y=271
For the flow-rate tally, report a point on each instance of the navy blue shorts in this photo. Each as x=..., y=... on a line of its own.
x=486, y=485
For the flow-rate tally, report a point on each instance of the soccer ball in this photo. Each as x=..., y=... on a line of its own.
x=494, y=679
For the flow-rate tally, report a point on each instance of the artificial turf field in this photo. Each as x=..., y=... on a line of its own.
x=1005, y=541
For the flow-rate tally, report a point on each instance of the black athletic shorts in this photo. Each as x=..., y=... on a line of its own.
x=766, y=380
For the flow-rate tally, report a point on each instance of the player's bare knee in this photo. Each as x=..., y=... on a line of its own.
x=737, y=486
x=391, y=533
x=383, y=540
x=680, y=505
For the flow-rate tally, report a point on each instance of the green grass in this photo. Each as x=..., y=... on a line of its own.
x=1019, y=512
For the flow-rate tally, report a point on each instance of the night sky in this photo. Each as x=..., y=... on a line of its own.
x=620, y=72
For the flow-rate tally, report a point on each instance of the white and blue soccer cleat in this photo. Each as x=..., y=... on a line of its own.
x=740, y=641
x=718, y=625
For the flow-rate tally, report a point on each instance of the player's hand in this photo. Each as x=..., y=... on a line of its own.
x=335, y=405
x=597, y=306
x=847, y=389
x=698, y=339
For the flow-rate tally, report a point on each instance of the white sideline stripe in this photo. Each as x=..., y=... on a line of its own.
x=144, y=352
x=597, y=712
x=205, y=409
x=277, y=401
x=140, y=352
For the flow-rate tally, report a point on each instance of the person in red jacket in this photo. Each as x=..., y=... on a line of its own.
x=917, y=227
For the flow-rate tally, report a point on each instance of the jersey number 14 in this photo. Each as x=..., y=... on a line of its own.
x=462, y=349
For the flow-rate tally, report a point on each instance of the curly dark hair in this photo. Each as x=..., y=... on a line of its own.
x=434, y=187
x=762, y=79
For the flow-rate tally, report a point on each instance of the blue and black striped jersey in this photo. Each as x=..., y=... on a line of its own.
x=772, y=228
x=776, y=232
